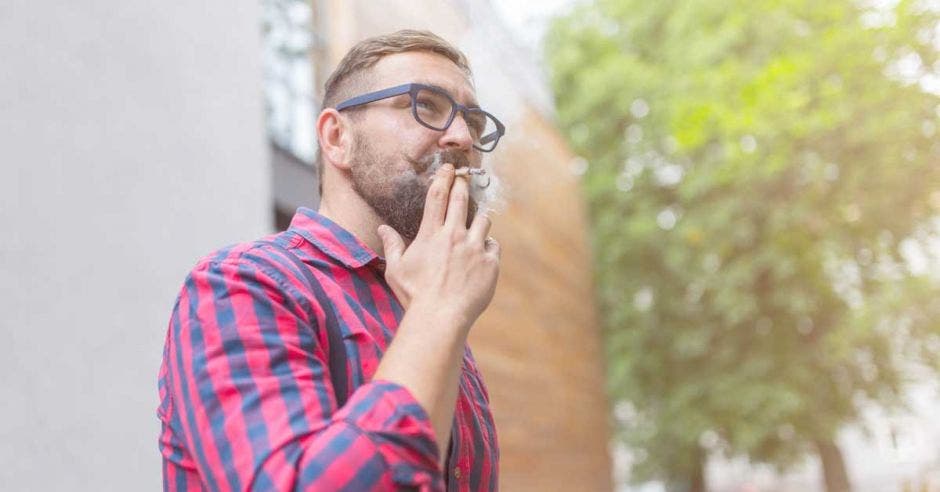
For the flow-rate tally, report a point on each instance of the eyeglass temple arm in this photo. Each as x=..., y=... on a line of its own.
x=374, y=96
x=500, y=130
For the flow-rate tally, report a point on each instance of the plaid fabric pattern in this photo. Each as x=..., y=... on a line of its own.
x=246, y=399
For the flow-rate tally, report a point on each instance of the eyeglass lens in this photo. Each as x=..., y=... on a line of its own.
x=433, y=109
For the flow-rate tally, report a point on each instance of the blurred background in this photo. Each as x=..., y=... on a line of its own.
x=721, y=234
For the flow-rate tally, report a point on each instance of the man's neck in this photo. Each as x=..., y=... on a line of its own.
x=352, y=213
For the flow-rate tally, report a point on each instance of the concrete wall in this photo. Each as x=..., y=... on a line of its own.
x=131, y=143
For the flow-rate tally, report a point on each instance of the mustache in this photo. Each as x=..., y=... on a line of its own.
x=433, y=161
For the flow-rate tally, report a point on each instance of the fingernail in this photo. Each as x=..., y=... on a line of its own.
x=447, y=168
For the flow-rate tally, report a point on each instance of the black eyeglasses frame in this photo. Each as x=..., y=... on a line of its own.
x=412, y=90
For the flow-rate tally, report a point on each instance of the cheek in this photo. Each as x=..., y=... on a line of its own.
x=416, y=146
x=405, y=137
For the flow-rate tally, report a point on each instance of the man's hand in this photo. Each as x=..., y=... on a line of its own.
x=448, y=265
x=444, y=279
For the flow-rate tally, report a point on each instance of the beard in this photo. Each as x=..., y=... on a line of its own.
x=399, y=199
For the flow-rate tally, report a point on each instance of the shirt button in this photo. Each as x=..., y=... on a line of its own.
x=457, y=473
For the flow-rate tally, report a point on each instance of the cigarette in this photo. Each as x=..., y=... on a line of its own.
x=468, y=170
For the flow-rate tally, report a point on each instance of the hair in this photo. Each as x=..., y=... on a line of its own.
x=351, y=75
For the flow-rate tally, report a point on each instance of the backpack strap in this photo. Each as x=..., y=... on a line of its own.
x=337, y=348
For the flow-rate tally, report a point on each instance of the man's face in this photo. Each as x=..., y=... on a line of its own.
x=394, y=156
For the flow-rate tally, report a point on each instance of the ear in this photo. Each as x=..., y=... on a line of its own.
x=335, y=138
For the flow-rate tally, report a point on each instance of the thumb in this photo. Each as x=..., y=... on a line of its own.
x=392, y=243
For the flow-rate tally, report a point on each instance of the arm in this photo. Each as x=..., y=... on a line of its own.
x=248, y=374
x=445, y=278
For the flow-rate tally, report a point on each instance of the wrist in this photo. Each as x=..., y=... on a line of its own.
x=445, y=316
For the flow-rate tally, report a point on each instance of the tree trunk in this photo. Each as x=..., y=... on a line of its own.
x=692, y=480
x=697, y=482
x=833, y=466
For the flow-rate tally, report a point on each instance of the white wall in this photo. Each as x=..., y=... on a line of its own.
x=131, y=143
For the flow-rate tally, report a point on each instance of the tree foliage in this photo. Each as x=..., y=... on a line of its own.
x=762, y=175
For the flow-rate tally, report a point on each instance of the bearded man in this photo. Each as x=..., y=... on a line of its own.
x=333, y=355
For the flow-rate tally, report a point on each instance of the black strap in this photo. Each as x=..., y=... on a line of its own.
x=337, y=348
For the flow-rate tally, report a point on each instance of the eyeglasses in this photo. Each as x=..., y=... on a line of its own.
x=433, y=108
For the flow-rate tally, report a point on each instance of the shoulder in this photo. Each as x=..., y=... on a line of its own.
x=269, y=274
x=269, y=254
x=269, y=264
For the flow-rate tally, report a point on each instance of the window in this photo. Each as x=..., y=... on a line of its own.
x=292, y=47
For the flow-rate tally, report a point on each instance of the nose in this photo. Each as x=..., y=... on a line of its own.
x=457, y=135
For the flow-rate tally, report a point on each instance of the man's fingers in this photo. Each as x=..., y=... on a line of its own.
x=458, y=202
x=392, y=243
x=479, y=228
x=435, y=205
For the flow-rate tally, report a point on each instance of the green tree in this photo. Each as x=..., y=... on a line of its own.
x=760, y=172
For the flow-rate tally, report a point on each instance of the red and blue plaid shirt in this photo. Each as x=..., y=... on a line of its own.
x=246, y=399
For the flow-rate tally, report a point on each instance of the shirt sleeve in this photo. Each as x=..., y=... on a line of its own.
x=248, y=374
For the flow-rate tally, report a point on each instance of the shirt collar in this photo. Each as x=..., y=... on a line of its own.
x=329, y=237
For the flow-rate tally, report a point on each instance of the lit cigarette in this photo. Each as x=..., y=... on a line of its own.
x=468, y=170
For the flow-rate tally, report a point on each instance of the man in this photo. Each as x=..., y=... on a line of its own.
x=383, y=283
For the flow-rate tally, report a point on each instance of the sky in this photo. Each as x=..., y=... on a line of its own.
x=528, y=19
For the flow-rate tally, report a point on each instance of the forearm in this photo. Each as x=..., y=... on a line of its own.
x=427, y=361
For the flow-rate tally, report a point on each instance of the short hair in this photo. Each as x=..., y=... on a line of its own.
x=350, y=75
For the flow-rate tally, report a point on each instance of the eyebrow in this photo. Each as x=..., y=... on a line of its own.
x=473, y=103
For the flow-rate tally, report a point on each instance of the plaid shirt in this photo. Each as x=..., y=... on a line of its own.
x=246, y=399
